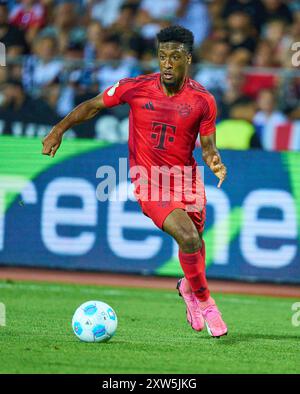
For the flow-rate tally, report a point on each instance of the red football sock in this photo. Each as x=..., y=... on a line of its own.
x=203, y=251
x=193, y=266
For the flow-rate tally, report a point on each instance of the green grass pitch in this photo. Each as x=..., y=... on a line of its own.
x=152, y=336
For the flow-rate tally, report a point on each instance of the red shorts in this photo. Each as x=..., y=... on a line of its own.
x=158, y=202
x=158, y=211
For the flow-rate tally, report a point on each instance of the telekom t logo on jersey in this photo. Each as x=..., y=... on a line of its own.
x=162, y=132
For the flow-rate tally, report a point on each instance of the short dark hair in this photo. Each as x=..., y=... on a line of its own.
x=177, y=34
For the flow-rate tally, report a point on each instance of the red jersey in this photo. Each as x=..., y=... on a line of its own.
x=163, y=130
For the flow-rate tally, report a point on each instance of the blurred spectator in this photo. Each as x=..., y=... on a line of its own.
x=66, y=27
x=254, y=8
x=220, y=32
x=42, y=67
x=262, y=77
x=14, y=96
x=294, y=5
x=94, y=39
x=10, y=4
x=289, y=95
x=212, y=73
x=264, y=55
x=11, y=36
x=194, y=15
x=277, y=9
x=242, y=33
x=72, y=79
x=267, y=115
x=163, y=9
x=148, y=28
x=216, y=9
x=240, y=57
x=75, y=79
x=3, y=78
x=243, y=111
x=16, y=105
x=215, y=52
x=148, y=62
x=236, y=134
x=244, y=48
x=3, y=75
x=218, y=26
x=30, y=16
x=233, y=95
x=275, y=35
x=131, y=41
x=117, y=67
x=105, y=11
x=51, y=94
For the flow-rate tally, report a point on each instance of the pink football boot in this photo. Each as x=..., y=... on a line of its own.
x=193, y=312
x=213, y=320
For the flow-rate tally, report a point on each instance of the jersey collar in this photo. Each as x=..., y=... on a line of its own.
x=160, y=87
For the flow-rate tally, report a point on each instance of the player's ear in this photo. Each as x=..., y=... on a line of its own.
x=189, y=59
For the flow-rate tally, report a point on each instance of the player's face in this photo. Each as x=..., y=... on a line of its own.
x=173, y=63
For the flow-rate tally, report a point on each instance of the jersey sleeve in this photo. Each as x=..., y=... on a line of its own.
x=120, y=93
x=208, y=122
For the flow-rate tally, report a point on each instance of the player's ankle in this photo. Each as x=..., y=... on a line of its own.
x=187, y=287
x=206, y=303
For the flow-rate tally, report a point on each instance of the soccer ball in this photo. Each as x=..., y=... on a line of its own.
x=94, y=321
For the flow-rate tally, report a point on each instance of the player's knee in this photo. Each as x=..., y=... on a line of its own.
x=189, y=241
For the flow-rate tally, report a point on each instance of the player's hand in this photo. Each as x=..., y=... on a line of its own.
x=52, y=142
x=218, y=169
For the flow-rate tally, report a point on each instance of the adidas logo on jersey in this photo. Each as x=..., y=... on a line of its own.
x=149, y=106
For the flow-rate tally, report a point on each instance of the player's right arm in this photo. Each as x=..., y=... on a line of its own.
x=84, y=111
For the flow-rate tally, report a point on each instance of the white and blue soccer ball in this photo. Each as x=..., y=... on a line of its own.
x=94, y=321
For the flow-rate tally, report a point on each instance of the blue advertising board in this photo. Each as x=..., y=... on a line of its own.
x=50, y=215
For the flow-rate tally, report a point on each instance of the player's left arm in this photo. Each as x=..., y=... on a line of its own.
x=212, y=158
x=207, y=131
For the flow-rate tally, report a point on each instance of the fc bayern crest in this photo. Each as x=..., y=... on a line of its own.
x=184, y=110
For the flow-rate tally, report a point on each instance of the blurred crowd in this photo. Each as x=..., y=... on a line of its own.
x=61, y=52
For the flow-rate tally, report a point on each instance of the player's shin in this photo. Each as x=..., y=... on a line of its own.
x=193, y=266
